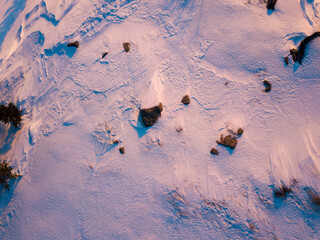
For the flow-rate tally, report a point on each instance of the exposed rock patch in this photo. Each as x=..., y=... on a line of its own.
x=214, y=151
x=228, y=141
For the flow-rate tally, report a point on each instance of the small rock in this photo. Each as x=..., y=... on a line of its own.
x=286, y=60
x=267, y=84
x=150, y=116
x=116, y=141
x=228, y=141
x=74, y=44
x=214, y=151
x=186, y=100
x=240, y=131
x=121, y=150
x=126, y=46
x=104, y=54
x=294, y=54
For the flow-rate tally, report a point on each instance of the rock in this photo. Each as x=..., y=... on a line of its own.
x=214, y=151
x=104, y=54
x=271, y=4
x=186, y=100
x=286, y=60
x=126, y=46
x=228, y=141
x=240, y=131
x=74, y=44
x=150, y=116
x=121, y=150
x=303, y=45
x=294, y=54
x=267, y=84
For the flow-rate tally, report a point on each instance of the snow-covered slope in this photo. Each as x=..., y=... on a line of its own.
x=167, y=185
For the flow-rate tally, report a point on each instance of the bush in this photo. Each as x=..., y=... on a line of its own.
x=10, y=113
x=6, y=174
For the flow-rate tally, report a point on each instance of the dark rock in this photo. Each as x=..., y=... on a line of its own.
x=104, y=54
x=267, y=85
x=150, y=116
x=228, y=141
x=126, y=46
x=282, y=191
x=294, y=54
x=121, y=150
x=186, y=100
x=74, y=44
x=214, y=151
x=116, y=141
x=240, y=131
x=303, y=45
x=286, y=60
x=271, y=4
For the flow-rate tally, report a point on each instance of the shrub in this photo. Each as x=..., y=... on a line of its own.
x=149, y=116
x=10, y=113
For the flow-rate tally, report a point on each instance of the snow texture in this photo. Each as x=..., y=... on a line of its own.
x=80, y=108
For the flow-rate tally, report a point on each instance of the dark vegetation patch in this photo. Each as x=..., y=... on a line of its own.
x=6, y=174
x=186, y=100
x=314, y=197
x=298, y=55
x=228, y=141
x=271, y=4
x=214, y=151
x=282, y=191
x=126, y=46
x=121, y=150
x=149, y=116
x=11, y=114
x=267, y=85
x=74, y=44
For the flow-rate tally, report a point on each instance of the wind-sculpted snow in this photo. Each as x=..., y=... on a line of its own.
x=80, y=108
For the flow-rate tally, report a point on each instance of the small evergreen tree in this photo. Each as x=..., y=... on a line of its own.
x=10, y=113
x=6, y=174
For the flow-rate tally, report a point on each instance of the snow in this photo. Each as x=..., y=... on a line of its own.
x=76, y=185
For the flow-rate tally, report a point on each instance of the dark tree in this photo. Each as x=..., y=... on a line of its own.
x=10, y=113
x=6, y=174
